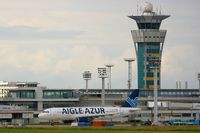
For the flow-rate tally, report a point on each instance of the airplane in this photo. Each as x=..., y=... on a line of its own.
x=74, y=113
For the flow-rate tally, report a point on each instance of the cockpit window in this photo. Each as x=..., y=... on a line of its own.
x=45, y=112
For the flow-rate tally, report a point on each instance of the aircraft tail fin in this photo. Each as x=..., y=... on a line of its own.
x=132, y=99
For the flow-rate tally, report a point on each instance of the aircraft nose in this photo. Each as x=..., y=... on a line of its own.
x=40, y=115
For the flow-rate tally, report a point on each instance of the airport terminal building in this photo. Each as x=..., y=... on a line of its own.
x=25, y=100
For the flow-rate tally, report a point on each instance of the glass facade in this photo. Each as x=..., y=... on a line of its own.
x=148, y=25
x=57, y=94
x=170, y=93
x=146, y=52
x=58, y=104
x=25, y=94
x=140, y=65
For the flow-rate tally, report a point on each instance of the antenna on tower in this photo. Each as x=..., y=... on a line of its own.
x=160, y=10
x=140, y=10
x=156, y=10
x=137, y=7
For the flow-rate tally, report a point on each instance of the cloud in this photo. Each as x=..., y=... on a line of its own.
x=35, y=61
x=80, y=57
x=46, y=65
x=54, y=43
x=32, y=33
x=180, y=63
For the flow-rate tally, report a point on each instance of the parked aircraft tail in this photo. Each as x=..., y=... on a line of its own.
x=132, y=99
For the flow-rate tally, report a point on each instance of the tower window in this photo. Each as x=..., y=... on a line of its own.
x=148, y=25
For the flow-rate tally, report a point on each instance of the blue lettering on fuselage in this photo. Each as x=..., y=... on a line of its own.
x=83, y=111
x=87, y=111
x=80, y=111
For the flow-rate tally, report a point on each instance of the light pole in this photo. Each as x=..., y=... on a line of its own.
x=103, y=74
x=198, y=76
x=155, y=97
x=109, y=74
x=129, y=60
x=154, y=64
x=87, y=76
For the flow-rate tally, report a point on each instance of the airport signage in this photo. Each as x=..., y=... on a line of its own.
x=83, y=111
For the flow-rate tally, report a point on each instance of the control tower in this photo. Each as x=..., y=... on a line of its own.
x=148, y=43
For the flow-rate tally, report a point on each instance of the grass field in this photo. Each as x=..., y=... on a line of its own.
x=139, y=129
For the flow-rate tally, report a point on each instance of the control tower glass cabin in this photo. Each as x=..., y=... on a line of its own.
x=148, y=43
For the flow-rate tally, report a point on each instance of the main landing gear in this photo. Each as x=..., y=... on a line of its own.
x=51, y=123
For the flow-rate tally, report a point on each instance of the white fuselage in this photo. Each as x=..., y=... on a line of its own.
x=72, y=113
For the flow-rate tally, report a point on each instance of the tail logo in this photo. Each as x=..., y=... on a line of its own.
x=132, y=102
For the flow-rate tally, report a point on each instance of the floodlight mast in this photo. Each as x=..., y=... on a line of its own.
x=103, y=74
x=129, y=60
x=87, y=76
x=109, y=74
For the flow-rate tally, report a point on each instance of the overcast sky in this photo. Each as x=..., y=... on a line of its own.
x=54, y=41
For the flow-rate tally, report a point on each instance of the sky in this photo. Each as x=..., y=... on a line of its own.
x=54, y=41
